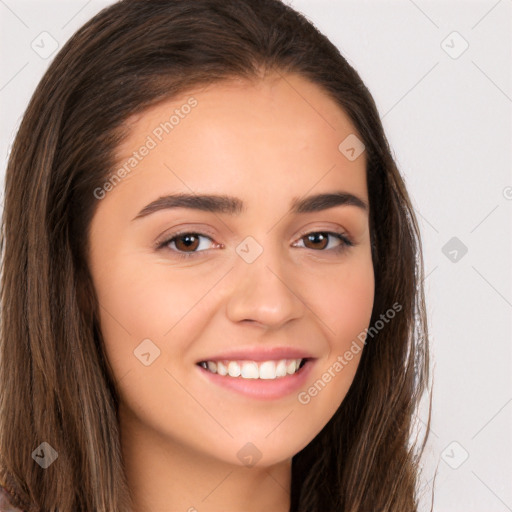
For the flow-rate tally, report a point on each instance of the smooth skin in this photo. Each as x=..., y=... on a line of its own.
x=265, y=143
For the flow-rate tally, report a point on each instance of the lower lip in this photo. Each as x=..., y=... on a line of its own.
x=262, y=389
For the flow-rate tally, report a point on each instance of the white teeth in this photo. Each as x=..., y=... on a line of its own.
x=281, y=369
x=250, y=370
x=221, y=369
x=267, y=370
x=233, y=369
x=291, y=367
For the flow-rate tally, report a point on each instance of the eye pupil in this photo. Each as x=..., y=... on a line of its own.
x=317, y=237
x=189, y=241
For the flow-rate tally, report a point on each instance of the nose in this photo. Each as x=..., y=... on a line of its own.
x=265, y=292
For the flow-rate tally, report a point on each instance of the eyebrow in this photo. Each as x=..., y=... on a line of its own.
x=235, y=206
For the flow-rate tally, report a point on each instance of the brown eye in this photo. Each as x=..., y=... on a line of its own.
x=187, y=241
x=318, y=240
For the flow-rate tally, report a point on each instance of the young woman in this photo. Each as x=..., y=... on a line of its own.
x=212, y=274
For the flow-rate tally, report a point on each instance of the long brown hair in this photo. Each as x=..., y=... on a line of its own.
x=56, y=383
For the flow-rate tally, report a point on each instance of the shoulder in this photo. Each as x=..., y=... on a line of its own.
x=5, y=503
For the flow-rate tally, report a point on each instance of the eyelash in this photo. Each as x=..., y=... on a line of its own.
x=346, y=242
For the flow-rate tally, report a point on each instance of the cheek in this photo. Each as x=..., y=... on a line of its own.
x=344, y=303
x=343, y=300
x=352, y=305
x=159, y=304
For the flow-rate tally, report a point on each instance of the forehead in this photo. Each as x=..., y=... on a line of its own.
x=277, y=136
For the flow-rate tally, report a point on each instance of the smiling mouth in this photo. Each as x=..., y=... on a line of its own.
x=266, y=370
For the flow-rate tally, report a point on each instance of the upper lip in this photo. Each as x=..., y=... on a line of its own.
x=259, y=354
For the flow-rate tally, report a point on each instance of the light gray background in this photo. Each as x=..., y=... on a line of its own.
x=448, y=119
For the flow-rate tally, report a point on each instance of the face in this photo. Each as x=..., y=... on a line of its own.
x=260, y=280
